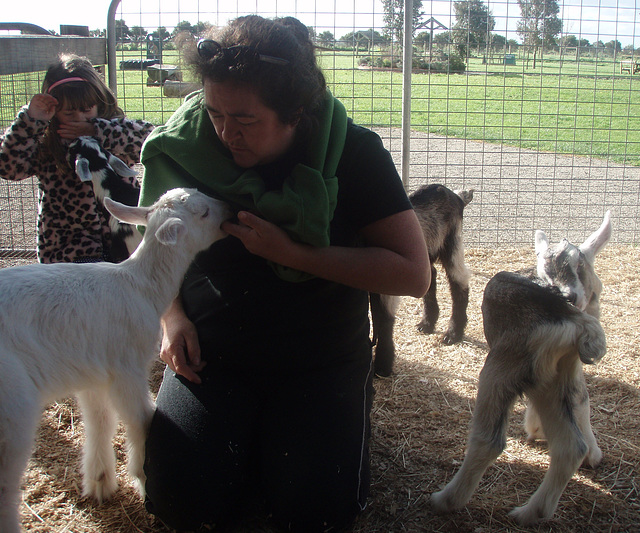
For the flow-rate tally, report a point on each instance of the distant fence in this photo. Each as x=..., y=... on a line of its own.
x=547, y=138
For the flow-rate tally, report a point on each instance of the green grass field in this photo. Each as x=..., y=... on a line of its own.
x=583, y=109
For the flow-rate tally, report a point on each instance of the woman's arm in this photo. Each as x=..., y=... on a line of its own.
x=393, y=261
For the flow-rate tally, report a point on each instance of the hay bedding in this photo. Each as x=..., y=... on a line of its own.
x=420, y=420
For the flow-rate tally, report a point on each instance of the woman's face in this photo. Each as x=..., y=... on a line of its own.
x=251, y=131
x=67, y=116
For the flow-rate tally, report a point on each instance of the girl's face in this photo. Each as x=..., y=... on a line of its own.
x=251, y=131
x=67, y=116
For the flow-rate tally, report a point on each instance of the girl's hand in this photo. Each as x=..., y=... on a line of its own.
x=42, y=107
x=73, y=130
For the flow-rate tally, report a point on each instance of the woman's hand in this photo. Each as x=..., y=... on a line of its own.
x=42, y=107
x=260, y=237
x=180, y=348
x=393, y=261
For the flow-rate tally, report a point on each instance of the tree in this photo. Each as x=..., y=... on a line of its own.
x=183, y=27
x=474, y=24
x=312, y=32
x=423, y=38
x=498, y=42
x=612, y=48
x=326, y=38
x=512, y=45
x=122, y=31
x=443, y=38
x=569, y=41
x=201, y=27
x=394, y=18
x=160, y=34
x=363, y=39
x=539, y=24
x=138, y=34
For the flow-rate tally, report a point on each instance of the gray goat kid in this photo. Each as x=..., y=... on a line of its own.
x=540, y=330
x=110, y=177
x=93, y=329
x=440, y=212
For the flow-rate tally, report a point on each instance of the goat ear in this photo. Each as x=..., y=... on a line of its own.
x=126, y=213
x=82, y=169
x=542, y=242
x=170, y=231
x=596, y=241
x=121, y=168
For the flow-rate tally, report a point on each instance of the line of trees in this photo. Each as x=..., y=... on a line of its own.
x=539, y=29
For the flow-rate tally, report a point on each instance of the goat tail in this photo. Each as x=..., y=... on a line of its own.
x=592, y=343
x=580, y=334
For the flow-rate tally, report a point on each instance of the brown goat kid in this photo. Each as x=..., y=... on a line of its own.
x=540, y=330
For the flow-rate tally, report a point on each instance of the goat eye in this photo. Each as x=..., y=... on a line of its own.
x=206, y=213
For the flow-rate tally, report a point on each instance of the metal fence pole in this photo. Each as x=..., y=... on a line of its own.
x=407, y=61
x=111, y=46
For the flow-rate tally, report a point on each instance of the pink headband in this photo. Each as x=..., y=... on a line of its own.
x=63, y=80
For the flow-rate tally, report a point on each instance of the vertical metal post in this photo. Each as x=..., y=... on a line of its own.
x=111, y=46
x=407, y=63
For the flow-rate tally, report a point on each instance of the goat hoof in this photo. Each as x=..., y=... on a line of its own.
x=101, y=489
x=593, y=458
x=426, y=327
x=382, y=370
x=441, y=502
x=527, y=515
x=451, y=338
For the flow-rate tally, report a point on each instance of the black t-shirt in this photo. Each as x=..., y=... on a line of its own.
x=249, y=319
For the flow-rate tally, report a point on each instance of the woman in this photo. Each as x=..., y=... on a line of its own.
x=269, y=382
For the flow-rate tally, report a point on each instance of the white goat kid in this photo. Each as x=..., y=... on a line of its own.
x=540, y=329
x=93, y=329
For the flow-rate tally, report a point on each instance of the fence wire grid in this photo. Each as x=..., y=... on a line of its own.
x=548, y=135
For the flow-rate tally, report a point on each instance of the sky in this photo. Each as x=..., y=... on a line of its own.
x=593, y=20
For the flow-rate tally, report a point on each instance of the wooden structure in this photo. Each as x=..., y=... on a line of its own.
x=631, y=66
x=34, y=53
x=157, y=75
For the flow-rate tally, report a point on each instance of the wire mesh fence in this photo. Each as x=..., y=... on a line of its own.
x=539, y=113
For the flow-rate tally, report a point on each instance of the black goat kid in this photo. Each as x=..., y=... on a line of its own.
x=439, y=211
x=111, y=178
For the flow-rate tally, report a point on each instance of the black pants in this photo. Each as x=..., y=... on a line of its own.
x=302, y=441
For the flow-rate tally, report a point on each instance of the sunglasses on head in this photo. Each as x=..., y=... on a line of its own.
x=208, y=49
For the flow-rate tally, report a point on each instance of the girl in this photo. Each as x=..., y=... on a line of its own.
x=72, y=224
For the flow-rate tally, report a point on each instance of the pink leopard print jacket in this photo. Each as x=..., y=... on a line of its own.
x=72, y=225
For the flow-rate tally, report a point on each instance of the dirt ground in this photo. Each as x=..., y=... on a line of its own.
x=420, y=420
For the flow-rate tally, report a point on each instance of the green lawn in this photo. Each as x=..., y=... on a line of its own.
x=583, y=108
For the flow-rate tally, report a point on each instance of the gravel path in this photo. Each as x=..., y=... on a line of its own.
x=519, y=191
x=516, y=192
